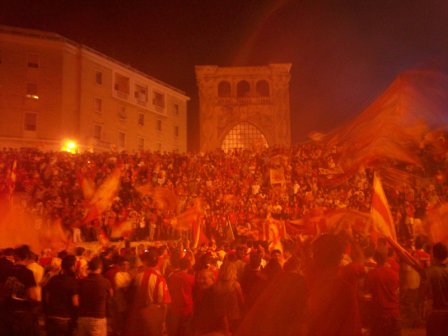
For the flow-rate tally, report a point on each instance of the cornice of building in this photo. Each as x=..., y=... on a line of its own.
x=45, y=35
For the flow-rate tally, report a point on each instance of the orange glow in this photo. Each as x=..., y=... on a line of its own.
x=69, y=146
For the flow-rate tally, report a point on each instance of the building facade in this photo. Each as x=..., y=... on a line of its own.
x=244, y=107
x=54, y=89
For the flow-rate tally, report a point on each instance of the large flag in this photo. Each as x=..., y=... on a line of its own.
x=384, y=224
x=192, y=219
x=103, y=197
x=164, y=198
x=381, y=216
x=87, y=185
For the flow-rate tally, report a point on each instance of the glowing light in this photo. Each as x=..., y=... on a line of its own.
x=32, y=96
x=70, y=146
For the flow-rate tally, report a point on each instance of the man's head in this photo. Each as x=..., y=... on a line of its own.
x=22, y=253
x=68, y=264
x=150, y=257
x=185, y=264
x=95, y=265
x=381, y=254
x=205, y=279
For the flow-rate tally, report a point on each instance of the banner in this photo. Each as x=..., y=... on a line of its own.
x=277, y=175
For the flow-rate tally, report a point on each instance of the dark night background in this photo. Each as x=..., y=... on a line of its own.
x=344, y=53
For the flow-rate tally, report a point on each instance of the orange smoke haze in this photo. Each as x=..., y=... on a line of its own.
x=20, y=227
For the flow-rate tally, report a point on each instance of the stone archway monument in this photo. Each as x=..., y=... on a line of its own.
x=243, y=107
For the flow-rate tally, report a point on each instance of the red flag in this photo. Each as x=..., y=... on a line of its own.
x=103, y=196
x=192, y=219
x=381, y=216
x=383, y=222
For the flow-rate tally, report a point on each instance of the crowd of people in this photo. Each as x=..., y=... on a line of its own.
x=329, y=285
x=308, y=285
x=237, y=188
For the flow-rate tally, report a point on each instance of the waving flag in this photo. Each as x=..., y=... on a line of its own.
x=12, y=179
x=103, y=196
x=381, y=216
x=384, y=224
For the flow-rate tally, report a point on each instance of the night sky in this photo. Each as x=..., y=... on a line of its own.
x=344, y=52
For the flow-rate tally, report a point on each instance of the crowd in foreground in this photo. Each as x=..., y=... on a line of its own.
x=330, y=285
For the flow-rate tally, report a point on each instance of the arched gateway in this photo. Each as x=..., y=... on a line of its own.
x=243, y=107
x=244, y=136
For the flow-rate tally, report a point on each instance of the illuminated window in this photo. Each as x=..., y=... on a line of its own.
x=33, y=61
x=262, y=88
x=31, y=91
x=121, y=139
x=30, y=122
x=244, y=136
x=98, y=105
x=141, y=119
x=224, y=89
x=242, y=89
x=97, y=132
x=99, y=77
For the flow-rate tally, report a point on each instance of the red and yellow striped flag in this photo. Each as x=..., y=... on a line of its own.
x=381, y=216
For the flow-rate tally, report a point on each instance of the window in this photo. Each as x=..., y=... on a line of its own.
x=31, y=91
x=176, y=131
x=262, y=88
x=159, y=99
x=121, y=139
x=242, y=89
x=176, y=109
x=159, y=125
x=99, y=77
x=122, y=115
x=30, y=122
x=97, y=132
x=98, y=105
x=121, y=86
x=33, y=61
x=141, y=94
x=244, y=135
x=141, y=119
x=224, y=89
x=141, y=144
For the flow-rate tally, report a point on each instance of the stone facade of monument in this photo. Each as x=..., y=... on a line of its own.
x=258, y=95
